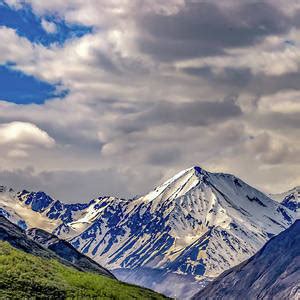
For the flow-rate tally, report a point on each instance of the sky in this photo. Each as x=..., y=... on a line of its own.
x=113, y=97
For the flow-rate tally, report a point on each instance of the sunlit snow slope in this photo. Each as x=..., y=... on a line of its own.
x=197, y=224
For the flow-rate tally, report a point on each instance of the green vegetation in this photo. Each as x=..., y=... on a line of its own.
x=25, y=276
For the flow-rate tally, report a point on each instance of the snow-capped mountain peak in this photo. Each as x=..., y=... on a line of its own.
x=176, y=186
x=197, y=223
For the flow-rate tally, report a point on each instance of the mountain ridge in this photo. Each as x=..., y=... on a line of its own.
x=289, y=199
x=272, y=273
x=196, y=223
x=19, y=239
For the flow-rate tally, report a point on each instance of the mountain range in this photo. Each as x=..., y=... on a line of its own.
x=186, y=231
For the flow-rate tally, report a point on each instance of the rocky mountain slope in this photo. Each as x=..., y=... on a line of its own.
x=66, y=251
x=290, y=199
x=59, y=250
x=197, y=224
x=272, y=273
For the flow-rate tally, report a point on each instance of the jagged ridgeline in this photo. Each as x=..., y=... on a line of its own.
x=188, y=230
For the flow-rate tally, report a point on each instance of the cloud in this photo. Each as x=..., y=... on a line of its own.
x=155, y=87
x=270, y=149
x=275, y=58
x=61, y=184
x=284, y=102
x=49, y=27
x=14, y=48
x=18, y=137
x=195, y=113
x=17, y=4
x=207, y=29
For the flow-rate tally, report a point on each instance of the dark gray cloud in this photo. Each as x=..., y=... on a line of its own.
x=206, y=29
x=105, y=62
x=233, y=77
x=238, y=80
x=68, y=186
x=267, y=84
x=277, y=120
x=164, y=156
x=196, y=113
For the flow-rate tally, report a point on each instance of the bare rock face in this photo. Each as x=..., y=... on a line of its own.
x=272, y=273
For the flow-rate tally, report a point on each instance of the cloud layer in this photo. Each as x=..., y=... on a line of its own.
x=155, y=87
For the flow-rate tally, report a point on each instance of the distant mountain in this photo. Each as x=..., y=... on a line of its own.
x=194, y=226
x=290, y=199
x=272, y=273
x=179, y=286
x=55, y=248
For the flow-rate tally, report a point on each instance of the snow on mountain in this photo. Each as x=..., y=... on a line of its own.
x=195, y=224
x=290, y=199
x=7, y=206
x=272, y=273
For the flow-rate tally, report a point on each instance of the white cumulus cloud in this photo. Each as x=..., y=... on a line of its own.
x=24, y=135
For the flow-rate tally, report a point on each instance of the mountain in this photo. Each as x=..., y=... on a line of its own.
x=27, y=276
x=59, y=250
x=15, y=236
x=29, y=270
x=178, y=286
x=290, y=199
x=66, y=251
x=195, y=226
x=272, y=273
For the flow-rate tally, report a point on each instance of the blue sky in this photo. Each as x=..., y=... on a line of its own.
x=16, y=86
x=20, y=88
x=145, y=89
